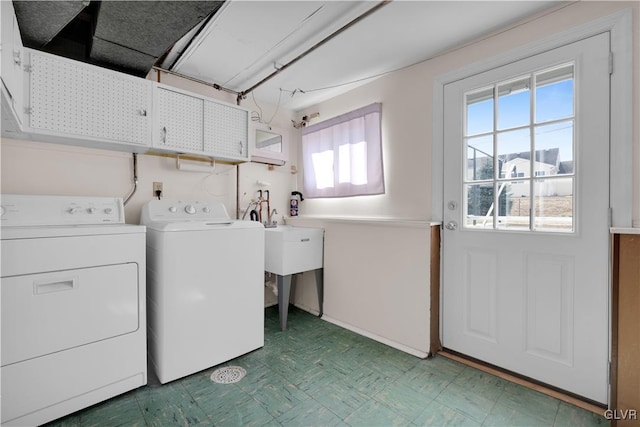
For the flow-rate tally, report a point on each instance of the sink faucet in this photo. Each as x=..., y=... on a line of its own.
x=270, y=223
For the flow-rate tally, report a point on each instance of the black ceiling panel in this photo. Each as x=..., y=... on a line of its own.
x=121, y=58
x=151, y=27
x=41, y=21
x=128, y=36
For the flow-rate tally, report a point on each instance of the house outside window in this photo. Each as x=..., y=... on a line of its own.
x=342, y=156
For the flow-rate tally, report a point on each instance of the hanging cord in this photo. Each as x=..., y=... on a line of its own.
x=258, y=116
x=437, y=55
x=135, y=179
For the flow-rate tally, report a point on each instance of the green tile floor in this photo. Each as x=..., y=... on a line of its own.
x=318, y=374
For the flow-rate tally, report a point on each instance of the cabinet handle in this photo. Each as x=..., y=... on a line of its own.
x=164, y=134
x=142, y=112
x=16, y=58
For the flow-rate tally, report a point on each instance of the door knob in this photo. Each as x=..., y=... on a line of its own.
x=451, y=225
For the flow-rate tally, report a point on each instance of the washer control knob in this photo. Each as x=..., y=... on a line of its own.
x=91, y=210
x=108, y=210
x=73, y=210
x=206, y=209
x=173, y=209
x=190, y=209
x=2, y=210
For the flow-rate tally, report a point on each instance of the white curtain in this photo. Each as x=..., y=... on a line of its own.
x=343, y=156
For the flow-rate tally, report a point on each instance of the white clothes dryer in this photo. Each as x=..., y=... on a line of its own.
x=73, y=305
x=205, y=286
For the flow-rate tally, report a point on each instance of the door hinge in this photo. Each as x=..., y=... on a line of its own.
x=27, y=110
x=610, y=62
x=27, y=68
x=610, y=217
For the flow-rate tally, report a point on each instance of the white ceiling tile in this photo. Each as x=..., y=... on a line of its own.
x=244, y=40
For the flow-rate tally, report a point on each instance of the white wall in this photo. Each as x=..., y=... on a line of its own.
x=407, y=98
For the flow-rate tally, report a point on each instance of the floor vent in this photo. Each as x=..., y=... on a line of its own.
x=228, y=375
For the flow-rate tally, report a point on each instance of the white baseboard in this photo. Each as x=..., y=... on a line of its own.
x=390, y=343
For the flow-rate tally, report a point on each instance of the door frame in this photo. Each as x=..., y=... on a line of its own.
x=619, y=24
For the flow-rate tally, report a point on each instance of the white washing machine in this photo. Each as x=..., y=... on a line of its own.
x=205, y=284
x=73, y=305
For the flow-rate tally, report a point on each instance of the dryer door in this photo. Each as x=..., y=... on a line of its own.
x=49, y=312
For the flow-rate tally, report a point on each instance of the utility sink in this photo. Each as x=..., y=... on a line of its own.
x=291, y=250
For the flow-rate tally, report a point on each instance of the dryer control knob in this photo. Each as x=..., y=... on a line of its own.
x=173, y=209
x=91, y=210
x=108, y=210
x=190, y=209
x=206, y=209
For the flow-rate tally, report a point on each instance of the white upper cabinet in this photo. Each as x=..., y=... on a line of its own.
x=179, y=121
x=194, y=124
x=63, y=101
x=74, y=102
x=12, y=62
x=226, y=130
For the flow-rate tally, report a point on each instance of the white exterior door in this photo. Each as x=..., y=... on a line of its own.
x=526, y=215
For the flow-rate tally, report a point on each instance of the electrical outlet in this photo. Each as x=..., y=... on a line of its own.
x=157, y=186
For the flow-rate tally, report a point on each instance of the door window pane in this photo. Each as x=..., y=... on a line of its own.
x=554, y=204
x=514, y=154
x=554, y=149
x=514, y=104
x=479, y=112
x=513, y=205
x=554, y=94
x=480, y=158
x=479, y=211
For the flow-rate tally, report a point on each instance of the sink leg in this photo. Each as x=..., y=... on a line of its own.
x=284, y=290
x=320, y=288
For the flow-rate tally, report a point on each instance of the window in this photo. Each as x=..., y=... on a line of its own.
x=520, y=146
x=343, y=156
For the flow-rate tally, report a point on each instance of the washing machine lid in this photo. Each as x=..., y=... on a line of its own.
x=197, y=225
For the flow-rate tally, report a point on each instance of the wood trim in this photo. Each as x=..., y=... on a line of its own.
x=625, y=337
x=615, y=280
x=599, y=410
x=435, y=345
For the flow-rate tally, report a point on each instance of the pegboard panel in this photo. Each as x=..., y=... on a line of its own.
x=73, y=98
x=226, y=131
x=180, y=119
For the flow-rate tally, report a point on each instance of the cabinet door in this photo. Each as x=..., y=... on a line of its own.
x=226, y=130
x=88, y=102
x=180, y=118
x=12, y=52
